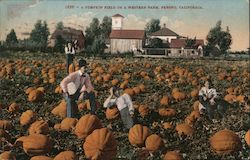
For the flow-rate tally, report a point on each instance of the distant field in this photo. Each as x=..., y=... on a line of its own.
x=160, y=77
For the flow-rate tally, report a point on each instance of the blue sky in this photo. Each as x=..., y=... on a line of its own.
x=22, y=14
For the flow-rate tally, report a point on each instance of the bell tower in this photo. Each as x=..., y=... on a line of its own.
x=117, y=22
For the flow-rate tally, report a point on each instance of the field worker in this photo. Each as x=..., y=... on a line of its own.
x=74, y=85
x=70, y=52
x=209, y=101
x=124, y=105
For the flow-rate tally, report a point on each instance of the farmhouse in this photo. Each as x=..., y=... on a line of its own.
x=68, y=34
x=125, y=40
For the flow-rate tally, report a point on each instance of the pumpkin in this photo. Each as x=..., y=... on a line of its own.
x=192, y=117
x=27, y=117
x=136, y=90
x=173, y=155
x=14, y=107
x=66, y=155
x=6, y=125
x=41, y=158
x=230, y=98
x=167, y=125
x=42, y=89
x=100, y=145
x=28, y=90
x=60, y=110
x=28, y=71
x=153, y=143
x=129, y=91
x=112, y=112
x=126, y=76
x=167, y=112
x=35, y=96
x=39, y=127
x=58, y=90
x=138, y=134
x=196, y=105
x=68, y=124
x=178, y=96
x=71, y=68
x=86, y=125
x=143, y=110
x=184, y=129
x=142, y=87
x=225, y=142
x=106, y=77
x=194, y=93
x=37, y=80
x=7, y=155
x=247, y=138
x=114, y=82
x=35, y=144
x=164, y=101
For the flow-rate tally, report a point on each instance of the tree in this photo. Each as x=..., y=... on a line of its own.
x=190, y=42
x=59, y=44
x=40, y=34
x=218, y=39
x=98, y=45
x=92, y=32
x=11, y=38
x=60, y=25
x=152, y=26
x=106, y=27
x=155, y=43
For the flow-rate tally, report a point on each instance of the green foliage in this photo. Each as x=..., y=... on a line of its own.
x=106, y=26
x=40, y=34
x=190, y=42
x=59, y=44
x=152, y=26
x=11, y=38
x=98, y=45
x=155, y=43
x=60, y=25
x=217, y=38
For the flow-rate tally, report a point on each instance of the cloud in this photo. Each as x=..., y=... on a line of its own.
x=171, y=23
x=36, y=2
x=134, y=22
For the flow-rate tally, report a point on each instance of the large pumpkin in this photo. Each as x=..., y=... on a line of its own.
x=184, y=129
x=27, y=117
x=14, y=107
x=138, y=134
x=66, y=155
x=7, y=155
x=100, y=145
x=143, y=110
x=86, y=125
x=68, y=124
x=60, y=110
x=164, y=101
x=39, y=127
x=173, y=155
x=153, y=143
x=167, y=112
x=225, y=142
x=6, y=125
x=35, y=96
x=35, y=144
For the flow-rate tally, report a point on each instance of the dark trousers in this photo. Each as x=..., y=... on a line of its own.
x=72, y=106
x=69, y=60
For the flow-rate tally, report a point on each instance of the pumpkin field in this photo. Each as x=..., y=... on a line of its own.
x=168, y=125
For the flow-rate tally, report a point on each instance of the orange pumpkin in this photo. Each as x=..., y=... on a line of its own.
x=35, y=96
x=173, y=155
x=86, y=125
x=60, y=110
x=114, y=82
x=129, y=91
x=68, y=124
x=178, y=96
x=7, y=155
x=39, y=127
x=71, y=68
x=143, y=110
x=66, y=155
x=164, y=101
x=167, y=112
x=184, y=129
x=153, y=143
x=167, y=125
x=28, y=90
x=41, y=158
x=100, y=145
x=138, y=134
x=6, y=125
x=225, y=142
x=247, y=138
x=14, y=107
x=27, y=117
x=112, y=112
x=35, y=144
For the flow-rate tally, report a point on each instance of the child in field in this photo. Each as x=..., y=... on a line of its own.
x=124, y=105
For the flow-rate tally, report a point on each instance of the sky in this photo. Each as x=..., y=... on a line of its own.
x=192, y=18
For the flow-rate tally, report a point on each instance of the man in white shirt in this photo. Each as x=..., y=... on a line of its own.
x=70, y=52
x=124, y=105
x=209, y=101
x=74, y=85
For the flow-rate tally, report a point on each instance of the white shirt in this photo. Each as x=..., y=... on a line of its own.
x=67, y=50
x=208, y=93
x=121, y=102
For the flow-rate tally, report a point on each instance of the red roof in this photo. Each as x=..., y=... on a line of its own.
x=181, y=43
x=127, y=34
x=164, y=32
x=117, y=15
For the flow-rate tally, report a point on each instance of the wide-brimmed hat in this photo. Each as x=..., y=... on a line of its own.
x=82, y=63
